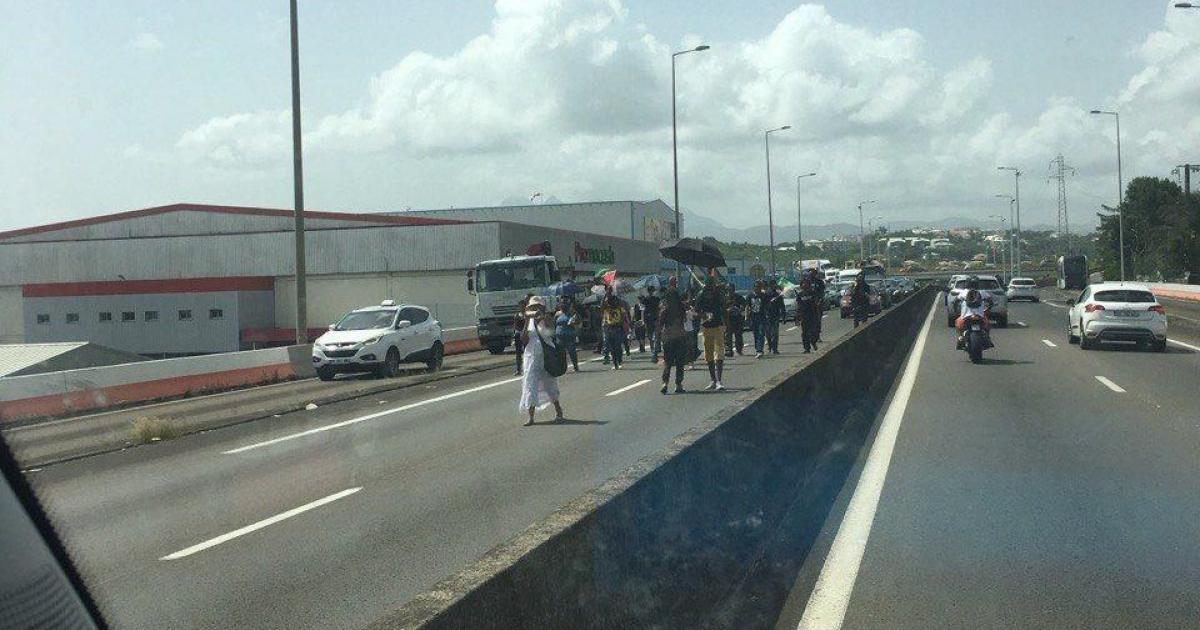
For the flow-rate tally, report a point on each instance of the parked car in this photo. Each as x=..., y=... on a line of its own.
x=1117, y=312
x=1022, y=289
x=378, y=339
x=987, y=284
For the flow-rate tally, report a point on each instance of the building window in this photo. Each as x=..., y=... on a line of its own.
x=43, y=318
x=106, y=317
x=151, y=316
x=215, y=313
x=128, y=316
x=185, y=315
x=72, y=318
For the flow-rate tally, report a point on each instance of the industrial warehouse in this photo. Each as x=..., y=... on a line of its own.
x=192, y=279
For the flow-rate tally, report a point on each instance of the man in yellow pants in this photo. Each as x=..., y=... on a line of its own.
x=711, y=305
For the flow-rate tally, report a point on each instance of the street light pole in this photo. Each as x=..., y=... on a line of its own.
x=675, y=150
x=862, y=237
x=871, y=243
x=770, y=211
x=1017, y=185
x=1120, y=189
x=1009, y=232
x=799, y=230
x=298, y=186
x=1003, y=228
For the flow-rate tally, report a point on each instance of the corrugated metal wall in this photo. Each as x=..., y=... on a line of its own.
x=620, y=219
x=357, y=250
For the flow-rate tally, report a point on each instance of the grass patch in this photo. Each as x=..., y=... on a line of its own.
x=151, y=429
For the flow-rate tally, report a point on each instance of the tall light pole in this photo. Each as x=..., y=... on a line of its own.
x=1120, y=190
x=675, y=147
x=1017, y=185
x=770, y=212
x=862, y=237
x=1009, y=232
x=298, y=186
x=871, y=251
x=799, y=231
x=1003, y=228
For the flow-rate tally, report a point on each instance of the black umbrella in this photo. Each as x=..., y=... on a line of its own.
x=693, y=251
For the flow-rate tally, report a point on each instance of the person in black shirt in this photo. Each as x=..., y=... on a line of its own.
x=650, y=304
x=775, y=313
x=711, y=306
x=735, y=320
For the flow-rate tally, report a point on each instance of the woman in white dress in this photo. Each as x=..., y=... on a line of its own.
x=538, y=388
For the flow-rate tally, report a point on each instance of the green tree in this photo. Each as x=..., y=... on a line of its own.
x=1161, y=228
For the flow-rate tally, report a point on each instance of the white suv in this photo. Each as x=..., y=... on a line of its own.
x=989, y=285
x=378, y=339
x=1022, y=289
x=1117, y=311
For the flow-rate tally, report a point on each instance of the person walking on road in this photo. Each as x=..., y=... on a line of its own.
x=808, y=313
x=758, y=317
x=612, y=313
x=735, y=320
x=818, y=284
x=566, y=331
x=775, y=314
x=538, y=388
x=711, y=306
x=672, y=315
x=650, y=304
x=519, y=322
x=860, y=299
x=608, y=292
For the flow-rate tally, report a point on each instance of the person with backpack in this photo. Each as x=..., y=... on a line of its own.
x=538, y=386
x=612, y=314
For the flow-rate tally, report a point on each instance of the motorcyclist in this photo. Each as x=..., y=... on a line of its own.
x=975, y=303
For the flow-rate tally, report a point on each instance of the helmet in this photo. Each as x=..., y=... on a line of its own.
x=974, y=299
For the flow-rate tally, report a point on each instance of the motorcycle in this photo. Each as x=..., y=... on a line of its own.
x=976, y=338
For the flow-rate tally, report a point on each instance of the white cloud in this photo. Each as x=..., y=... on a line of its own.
x=572, y=98
x=146, y=42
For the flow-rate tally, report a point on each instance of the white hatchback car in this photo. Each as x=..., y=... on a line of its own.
x=1022, y=289
x=378, y=339
x=1120, y=312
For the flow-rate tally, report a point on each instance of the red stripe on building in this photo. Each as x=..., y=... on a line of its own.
x=140, y=287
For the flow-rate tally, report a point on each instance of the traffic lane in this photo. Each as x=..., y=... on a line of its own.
x=1152, y=378
x=174, y=504
x=1021, y=493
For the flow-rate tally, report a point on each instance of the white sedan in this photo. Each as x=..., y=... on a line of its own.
x=1022, y=289
x=1117, y=312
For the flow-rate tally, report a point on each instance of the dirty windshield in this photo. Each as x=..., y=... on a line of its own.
x=548, y=314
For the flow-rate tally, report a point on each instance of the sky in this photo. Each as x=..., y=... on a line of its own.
x=107, y=107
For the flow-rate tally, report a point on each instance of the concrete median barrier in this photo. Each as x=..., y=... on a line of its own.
x=710, y=532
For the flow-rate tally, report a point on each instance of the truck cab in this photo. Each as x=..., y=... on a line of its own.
x=499, y=286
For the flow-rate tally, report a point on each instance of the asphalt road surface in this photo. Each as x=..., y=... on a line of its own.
x=331, y=517
x=1050, y=487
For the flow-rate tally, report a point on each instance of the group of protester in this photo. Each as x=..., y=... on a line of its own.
x=679, y=325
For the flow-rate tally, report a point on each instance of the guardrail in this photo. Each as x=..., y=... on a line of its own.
x=93, y=389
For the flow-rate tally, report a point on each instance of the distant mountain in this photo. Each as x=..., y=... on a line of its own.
x=697, y=225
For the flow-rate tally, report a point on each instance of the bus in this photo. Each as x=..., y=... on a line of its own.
x=1072, y=272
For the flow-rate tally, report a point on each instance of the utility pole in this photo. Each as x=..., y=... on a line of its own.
x=1186, y=171
x=1017, y=197
x=298, y=184
x=1059, y=170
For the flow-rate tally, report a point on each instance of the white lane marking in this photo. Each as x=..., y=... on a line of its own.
x=827, y=604
x=1184, y=345
x=1022, y=324
x=790, y=329
x=1049, y=343
x=1111, y=385
x=213, y=542
x=627, y=388
x=370, y=416
x=1054, y=305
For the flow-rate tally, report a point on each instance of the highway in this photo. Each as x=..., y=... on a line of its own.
x=1049, y=487
x=332, y=517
